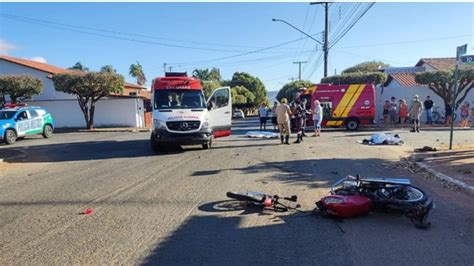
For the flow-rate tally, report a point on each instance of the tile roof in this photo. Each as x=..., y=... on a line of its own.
x=36, y=65
x=51, y=69
x=438, y=63
x=404, y=79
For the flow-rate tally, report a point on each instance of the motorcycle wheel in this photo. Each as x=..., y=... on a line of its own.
x=407, y=194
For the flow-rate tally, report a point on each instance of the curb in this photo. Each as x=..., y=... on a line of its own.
x=417, y=161
x=133, y=130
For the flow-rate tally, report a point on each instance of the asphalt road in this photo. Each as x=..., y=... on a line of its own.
x=170, y=208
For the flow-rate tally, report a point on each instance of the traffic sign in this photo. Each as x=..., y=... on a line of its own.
x=461, y=50
x=467, y=59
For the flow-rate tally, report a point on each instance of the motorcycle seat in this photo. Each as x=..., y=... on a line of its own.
x=392, y=181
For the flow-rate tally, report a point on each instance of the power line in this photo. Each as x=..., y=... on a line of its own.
x=86, y=30
x=407, y=42
x=245, y=53
x=338, y=38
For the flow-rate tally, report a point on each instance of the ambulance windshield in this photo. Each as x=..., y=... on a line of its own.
x=5, y=115
x=179, y=99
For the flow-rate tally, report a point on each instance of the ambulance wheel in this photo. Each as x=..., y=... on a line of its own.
x=352, y=124
x=154, y=144
x=10, y=136
x=47, y=131
x=207, y=145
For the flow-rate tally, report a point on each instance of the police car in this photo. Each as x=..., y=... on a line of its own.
x=18, y=121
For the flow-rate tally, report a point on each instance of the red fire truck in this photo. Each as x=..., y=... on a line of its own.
x=343, y=105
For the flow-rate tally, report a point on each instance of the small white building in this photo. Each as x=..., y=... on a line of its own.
x=125, y=110
x=401, y=84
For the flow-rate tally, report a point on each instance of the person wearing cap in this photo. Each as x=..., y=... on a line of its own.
x=283, y=119
x=416, y=110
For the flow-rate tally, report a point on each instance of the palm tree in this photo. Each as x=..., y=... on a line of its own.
x=108, y=69
x=201, y=74
x=136, y=71
x=79, y=66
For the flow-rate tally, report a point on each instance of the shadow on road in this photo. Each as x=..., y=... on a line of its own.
x=82, y=151
x=213, y=240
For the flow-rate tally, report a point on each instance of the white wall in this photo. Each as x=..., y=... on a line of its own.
x=48, y=93
x=407, y=93
x=113, y=112
x=110, y=112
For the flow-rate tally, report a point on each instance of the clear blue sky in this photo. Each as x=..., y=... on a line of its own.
x=232, y=28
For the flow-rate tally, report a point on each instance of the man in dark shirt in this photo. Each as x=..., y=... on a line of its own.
x=299, y=120
x=428, y=104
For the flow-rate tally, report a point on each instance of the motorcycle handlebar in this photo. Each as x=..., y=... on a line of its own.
x=333, y=187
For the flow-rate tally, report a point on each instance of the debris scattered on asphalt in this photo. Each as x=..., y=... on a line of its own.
x=334, y=172
x=412, y=167
x=89, y=211
x=425, y=149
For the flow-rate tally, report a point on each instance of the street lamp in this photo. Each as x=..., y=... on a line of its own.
x=287, y=23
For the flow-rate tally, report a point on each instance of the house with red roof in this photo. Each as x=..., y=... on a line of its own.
x=127, y=109
x=401, y=83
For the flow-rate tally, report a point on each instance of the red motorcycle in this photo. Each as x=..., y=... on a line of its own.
x=354, y=196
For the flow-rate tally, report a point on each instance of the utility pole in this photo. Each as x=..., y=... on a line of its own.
x=326, y=31
x=299, y=67
x=164, y=67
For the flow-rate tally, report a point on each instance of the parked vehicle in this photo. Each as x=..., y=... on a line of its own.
x=352, y=196
x=238, y=114
x=182, y=115
x=263, y=200
x=343, y=105
x=18, y=121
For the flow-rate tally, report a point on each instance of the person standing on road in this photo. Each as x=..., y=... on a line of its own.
x=317, y=118
x=465, y=114
x=416, y=110
x=283, y=118
x=386, y=108
x=262, y=114
x=299, y=120
x=274, y=116
x=393, y=110
x=403, y=111
x=428, y=104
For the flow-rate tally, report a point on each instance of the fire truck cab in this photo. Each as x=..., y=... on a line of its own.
x=343, y=105
x=182, y=115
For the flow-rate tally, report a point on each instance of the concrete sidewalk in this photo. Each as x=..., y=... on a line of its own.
x=455, y=166
x=103, y=129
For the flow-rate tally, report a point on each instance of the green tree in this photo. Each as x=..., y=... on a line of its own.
x=204, y=74
x=136, y=71
x=356, y=78
x=242, y=97
x=251, y=83
x=369, y=66
x=89, y=87
x=19, y=87
x=79, y=66
x=210, y=80
x=290, y=90
x=209, y=86
x=442, y=83
x=108, y=69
